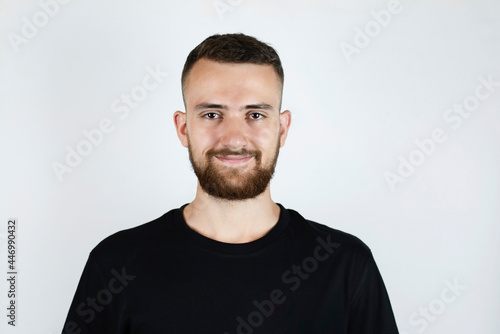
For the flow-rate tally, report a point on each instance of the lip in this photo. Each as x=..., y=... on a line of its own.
x=234, y=159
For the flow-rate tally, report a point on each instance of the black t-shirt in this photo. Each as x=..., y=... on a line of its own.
x=163, y=277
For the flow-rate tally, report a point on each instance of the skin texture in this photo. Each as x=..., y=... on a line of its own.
x=232, y=123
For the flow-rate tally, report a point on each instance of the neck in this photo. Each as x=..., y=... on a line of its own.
x=232, y=221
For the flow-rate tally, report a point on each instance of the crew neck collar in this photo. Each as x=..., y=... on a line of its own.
x=246, y=248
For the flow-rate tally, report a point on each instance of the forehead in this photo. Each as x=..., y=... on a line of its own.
x=213, y=82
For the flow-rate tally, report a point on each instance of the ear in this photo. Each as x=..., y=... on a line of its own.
x=285, y=121
x=181, y=127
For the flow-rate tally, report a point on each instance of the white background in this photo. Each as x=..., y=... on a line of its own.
x=354, y=117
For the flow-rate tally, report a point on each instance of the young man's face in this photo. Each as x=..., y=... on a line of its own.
x=232, y=126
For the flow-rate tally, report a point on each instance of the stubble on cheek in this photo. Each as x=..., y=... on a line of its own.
x=232, y=183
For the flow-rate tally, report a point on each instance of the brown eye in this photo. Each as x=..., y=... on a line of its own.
x=210, y=115
x=256, y=115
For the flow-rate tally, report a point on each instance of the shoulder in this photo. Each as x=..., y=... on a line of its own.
x=144, y=238
x=347, y=243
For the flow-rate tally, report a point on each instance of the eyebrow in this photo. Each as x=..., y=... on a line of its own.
x=260, y=106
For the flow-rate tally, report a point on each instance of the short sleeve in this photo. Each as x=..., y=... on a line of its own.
x=370, y=312
x=90, y=310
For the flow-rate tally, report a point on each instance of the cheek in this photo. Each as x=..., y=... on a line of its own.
x=201, y=141
x=266, y=139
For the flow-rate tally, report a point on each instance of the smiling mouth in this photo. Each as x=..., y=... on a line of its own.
x=234, y=159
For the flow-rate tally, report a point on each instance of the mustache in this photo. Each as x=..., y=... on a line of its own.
x=226, y=151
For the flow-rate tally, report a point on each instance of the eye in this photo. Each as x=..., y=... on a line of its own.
x=211, y=115
x=256, y=115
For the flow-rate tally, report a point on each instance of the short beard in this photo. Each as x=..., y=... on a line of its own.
x=218, y=183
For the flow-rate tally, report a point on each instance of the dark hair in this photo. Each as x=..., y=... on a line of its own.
x=234, y=48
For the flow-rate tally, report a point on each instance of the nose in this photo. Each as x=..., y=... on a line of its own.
x=233, y=133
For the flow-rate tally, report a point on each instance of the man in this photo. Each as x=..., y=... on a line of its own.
x=232, y=260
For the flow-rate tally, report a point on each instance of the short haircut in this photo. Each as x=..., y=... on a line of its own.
x=234, y=48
